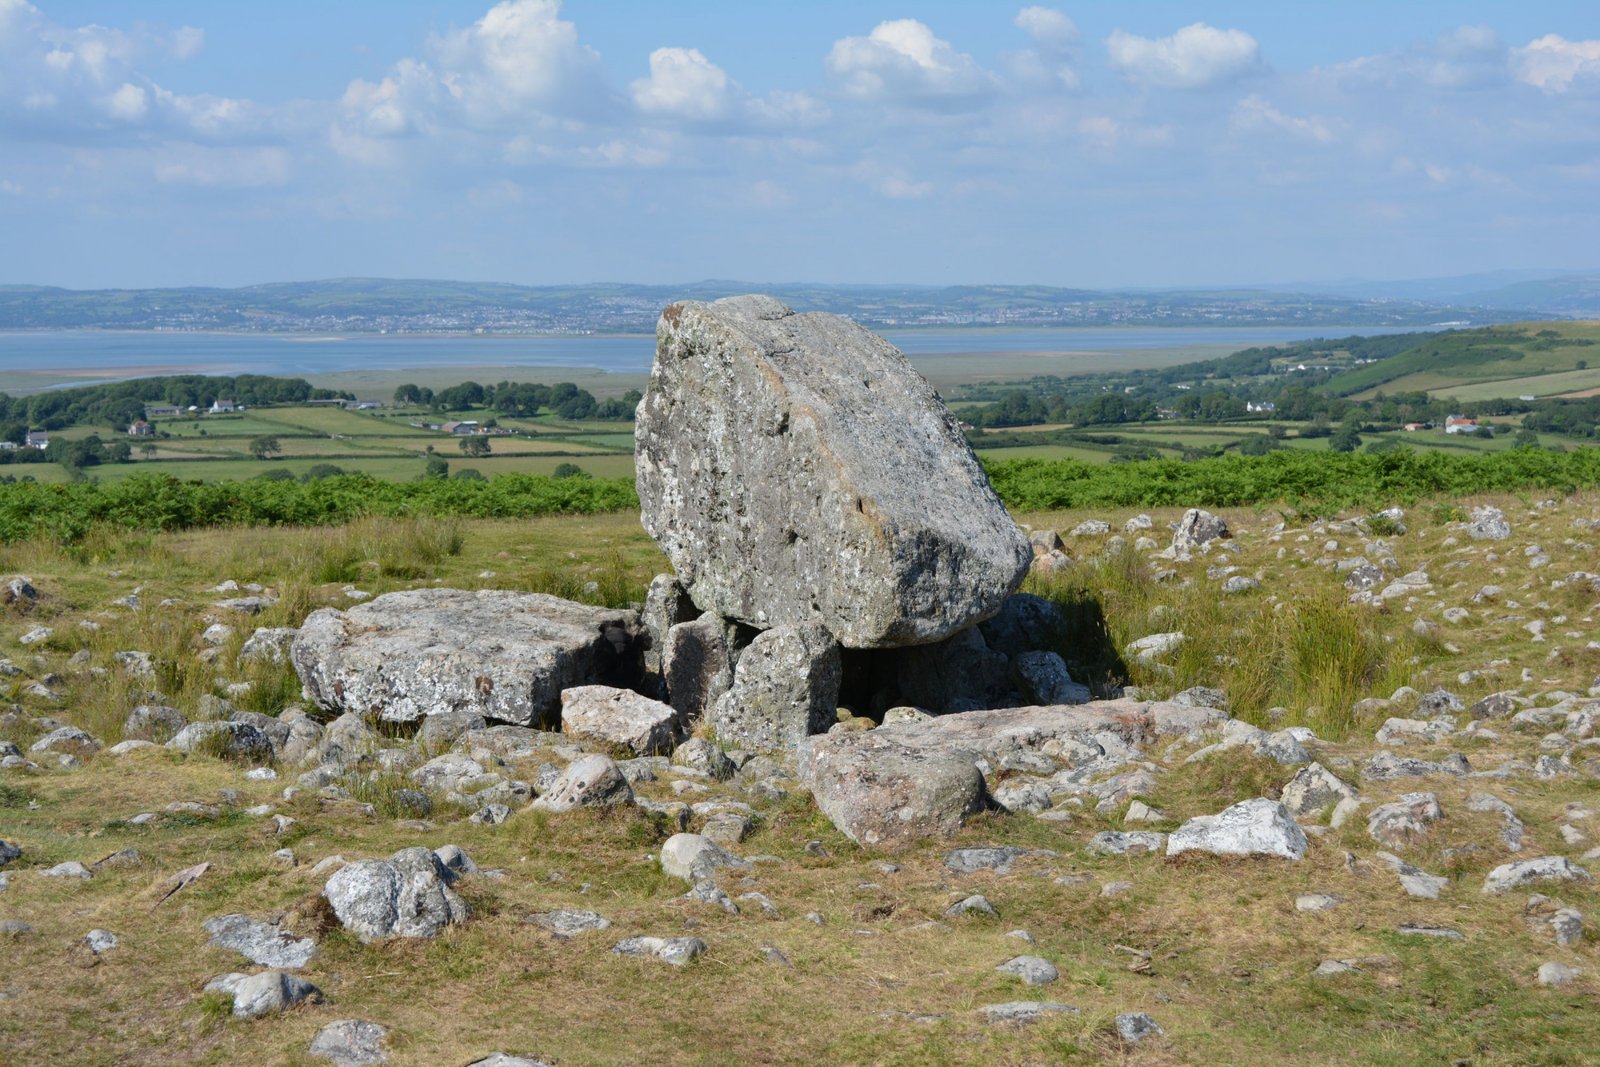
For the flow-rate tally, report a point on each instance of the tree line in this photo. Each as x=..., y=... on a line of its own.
x=522, y=399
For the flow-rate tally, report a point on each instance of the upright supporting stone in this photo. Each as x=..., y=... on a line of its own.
x=785, y=688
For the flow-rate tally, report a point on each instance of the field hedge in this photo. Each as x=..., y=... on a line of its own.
x=161, y=502
x=1311, y=481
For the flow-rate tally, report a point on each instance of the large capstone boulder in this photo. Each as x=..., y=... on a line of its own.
x=785, y=688
x=407, y=895
x=885, y=794
x=796, y=470
x=506, y=656
x=619, y=719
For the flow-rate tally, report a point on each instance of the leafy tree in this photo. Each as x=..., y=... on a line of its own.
x=148, y=450
x=569, y=470
x=265, y=447
x=436, y=467
x=319, y=471
x=1345, y=439
x=408, y=395
x=1257, y=444
x=1525, y=439
x=468, y=474
x=475, y=446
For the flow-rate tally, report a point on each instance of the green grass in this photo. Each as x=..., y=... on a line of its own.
x=1494, y=355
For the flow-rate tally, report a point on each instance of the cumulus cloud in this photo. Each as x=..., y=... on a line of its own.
x=222, y=167
x=1049, y=28
x=59, y=82
x=519, y=63
x=1255, y=113
x=686, y=86
x=1195, y=57
x=1554, y=64
x=1046, y=65
x=901, y=61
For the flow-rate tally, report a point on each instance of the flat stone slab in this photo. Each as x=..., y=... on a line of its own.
x=797, y=470
x=261, y=942
x=506, y=656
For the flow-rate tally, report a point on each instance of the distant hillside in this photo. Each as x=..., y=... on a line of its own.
x=408, y=305
x=1521, y=359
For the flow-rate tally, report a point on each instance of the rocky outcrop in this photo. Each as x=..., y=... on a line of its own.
x=797, y=471
x=506, y=656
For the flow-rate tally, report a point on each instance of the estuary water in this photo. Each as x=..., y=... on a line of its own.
x=79, y=356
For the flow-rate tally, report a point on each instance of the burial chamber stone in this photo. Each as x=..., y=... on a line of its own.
x=797, y=471
x=506, y=656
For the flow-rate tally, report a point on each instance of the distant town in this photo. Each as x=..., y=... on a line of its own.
x=406, y=307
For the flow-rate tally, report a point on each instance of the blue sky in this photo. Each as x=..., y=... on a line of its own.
x=1094, y=145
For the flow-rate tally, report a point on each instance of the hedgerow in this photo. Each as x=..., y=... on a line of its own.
x=1318, y=482
x=1310, y=481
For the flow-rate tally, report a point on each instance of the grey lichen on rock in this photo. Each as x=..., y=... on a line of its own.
x=796, y=470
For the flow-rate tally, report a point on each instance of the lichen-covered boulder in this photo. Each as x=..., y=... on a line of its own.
x=406, y=895
x=403, y=656
x=796, y=470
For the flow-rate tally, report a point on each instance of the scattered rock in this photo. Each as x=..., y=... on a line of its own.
x=263, y=994
x=407, y=895
x=619, y=718
x=1127, y=843
x=971, y=860
x=678, y=951
x=695, y=858
x=1033, y=970
x=567, y=923
x=67, y=741
x=1314, y=789
x=977, y=904
x=589, y=782
x=1135, y=1026
x=1515, y=875
x=1415, y=881
x=350, y=1043
x=263, y=943
x=1558, y=974
x=1403, y=821
x=228, y=740
x=1488, y=524
x=1023, y=1012
x=1257, y=827
x=1196, y=530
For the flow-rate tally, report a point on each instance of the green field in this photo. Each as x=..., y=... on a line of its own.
x=1484, y=364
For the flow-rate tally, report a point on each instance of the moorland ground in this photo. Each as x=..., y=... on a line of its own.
x=1215, y=950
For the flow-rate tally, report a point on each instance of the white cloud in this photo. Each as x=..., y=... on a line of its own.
x=1553, y=63
x=1049, y=28
x=1195, y=57
x=187, y=41
x=902, y=61
x=129, y=103
x=1468, y=57
x=683, y=83
x=1255, y=113
x=62, y=83
x=521, y=55
x=10, y=188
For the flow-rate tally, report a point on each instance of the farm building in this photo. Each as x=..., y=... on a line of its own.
x=1460, y=424
x=141, y=428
